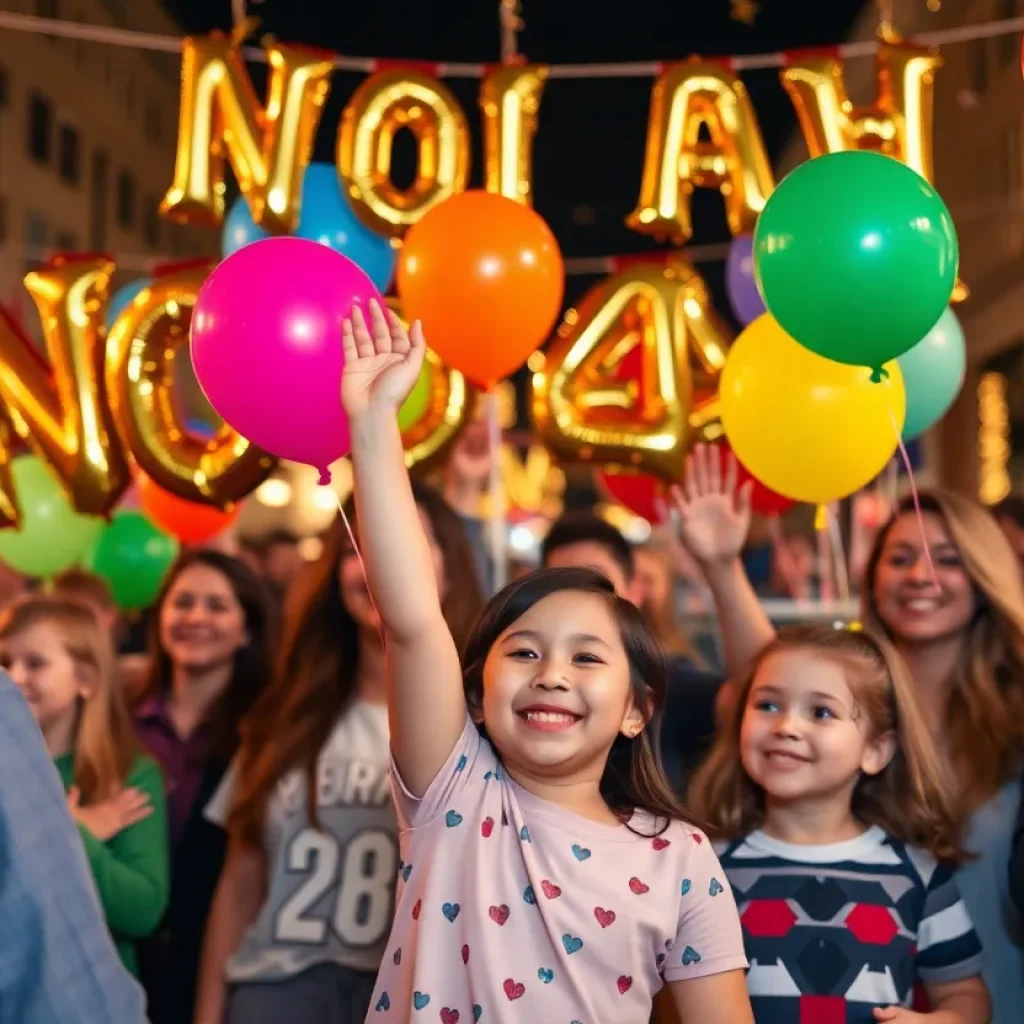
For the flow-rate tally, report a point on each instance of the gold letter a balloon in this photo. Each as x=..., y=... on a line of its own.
x=809, y=428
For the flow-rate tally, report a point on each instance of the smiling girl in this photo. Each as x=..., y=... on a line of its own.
x=547, y=871
x=62, y=659
x=840, y=839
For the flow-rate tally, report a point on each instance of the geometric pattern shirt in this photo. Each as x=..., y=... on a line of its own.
x=833, y=931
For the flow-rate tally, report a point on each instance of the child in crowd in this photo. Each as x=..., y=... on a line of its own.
x=62, y=659
x=839, y=839
x=547, y=872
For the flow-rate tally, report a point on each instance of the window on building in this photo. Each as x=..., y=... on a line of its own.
x=1009, y=46
x=69, y=154
x=99, y=191
x=151, y=222
x=35, y=239
x=65, y=241
x=40, y=127
x=126, y=199
x=151, y=124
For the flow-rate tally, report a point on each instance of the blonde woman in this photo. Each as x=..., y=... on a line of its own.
x=62, y=660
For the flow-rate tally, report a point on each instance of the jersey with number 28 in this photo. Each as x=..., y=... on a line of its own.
x=330, y=890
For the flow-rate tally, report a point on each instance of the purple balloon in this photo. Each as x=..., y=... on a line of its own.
x=266, y=345
x=744, y=297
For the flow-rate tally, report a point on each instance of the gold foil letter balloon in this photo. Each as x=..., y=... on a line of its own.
x=268, y=147
x=449, y=403
x=384, y=104
x=899, y=123
x=584, y=411
x=509, y=100
x=60, y=409
x=686, y=98
x=141, y=350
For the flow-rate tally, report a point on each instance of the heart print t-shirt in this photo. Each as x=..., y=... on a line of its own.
x=512, y=909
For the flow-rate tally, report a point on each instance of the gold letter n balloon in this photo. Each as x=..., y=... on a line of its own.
x=808, y=428
x=141, y=350
x=583, y=410
x=60, y=409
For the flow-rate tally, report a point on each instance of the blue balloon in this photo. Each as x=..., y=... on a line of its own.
x=933, y=374
x=326, y=218
x=123, y=298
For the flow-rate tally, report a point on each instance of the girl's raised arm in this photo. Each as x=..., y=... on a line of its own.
x=426, y=706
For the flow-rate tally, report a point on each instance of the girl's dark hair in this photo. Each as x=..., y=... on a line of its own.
x=315, y=671
x=251, y=670
x=633, y=778
x=910, y=797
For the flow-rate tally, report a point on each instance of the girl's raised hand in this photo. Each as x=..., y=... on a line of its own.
x=382, y=361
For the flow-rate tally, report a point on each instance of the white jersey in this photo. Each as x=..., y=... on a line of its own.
x=331, y=890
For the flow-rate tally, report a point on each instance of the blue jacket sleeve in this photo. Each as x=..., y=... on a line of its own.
x=63, y=968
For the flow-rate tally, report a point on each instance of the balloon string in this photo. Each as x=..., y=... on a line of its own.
x=362, y=564
x=826, y=591
x=497, y=524
x=835, y=533
x=905, y=456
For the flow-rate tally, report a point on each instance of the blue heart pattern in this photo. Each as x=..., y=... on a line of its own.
x=384, y=1003
x=451, y=910
x=685, y=887
x=581, y=853
x=715, y=887
x=690, y=956
x=546, y=975
x=529, y=896
x=420, y=999
x=496, y=775
x=453, y=818
x=461, y=764
x=477, y=1011
x=571, y=943
x=406, y=872
x=524, y=834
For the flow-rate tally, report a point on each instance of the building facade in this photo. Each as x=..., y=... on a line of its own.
x=87, y=141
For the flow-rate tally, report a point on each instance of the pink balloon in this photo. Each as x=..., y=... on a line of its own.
x=266, y=345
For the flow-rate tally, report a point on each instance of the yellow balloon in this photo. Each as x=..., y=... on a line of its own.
x=809, y=428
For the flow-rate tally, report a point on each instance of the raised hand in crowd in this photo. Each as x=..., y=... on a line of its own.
x=110, y=817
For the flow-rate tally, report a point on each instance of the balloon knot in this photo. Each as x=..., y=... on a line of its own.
x=325, y=478
x=879, y=374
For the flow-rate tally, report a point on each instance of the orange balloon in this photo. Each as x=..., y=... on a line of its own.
x=485, y=275
x=189, y=521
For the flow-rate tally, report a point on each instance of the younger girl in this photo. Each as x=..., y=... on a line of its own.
x=841, y=839
x=547, y=871
x=62, y=659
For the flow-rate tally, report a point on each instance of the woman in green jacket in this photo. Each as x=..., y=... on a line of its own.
x=62, y=659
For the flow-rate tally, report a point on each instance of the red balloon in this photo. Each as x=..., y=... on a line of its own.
x=189, y=521
x=640, y=493
x=763, y=501
x=485, y=275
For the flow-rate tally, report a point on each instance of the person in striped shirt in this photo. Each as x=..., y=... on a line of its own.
x=833, y=822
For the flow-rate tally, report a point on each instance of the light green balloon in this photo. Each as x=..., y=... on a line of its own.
x=51, y=535
x=415, y=406
x=933, y=374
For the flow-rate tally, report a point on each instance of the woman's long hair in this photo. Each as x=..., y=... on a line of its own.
x=633, y=778
x=104, y=744
x=251, y=671
x=909, y=798
x=315, y=673
x=985, y=717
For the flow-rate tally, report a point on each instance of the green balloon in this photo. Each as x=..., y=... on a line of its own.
x=51, y=535
x=933, y=374
x=856, y=256
x=414, y=407
x=133, y=556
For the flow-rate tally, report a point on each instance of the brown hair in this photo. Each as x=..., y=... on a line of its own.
x=251, y=670
x=633, y=777
x=909, y=798
x=87, y=587
x=985, y=715
x=105, y=744
x=315, y=674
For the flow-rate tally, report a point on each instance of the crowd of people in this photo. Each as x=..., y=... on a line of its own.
x=381, y=796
